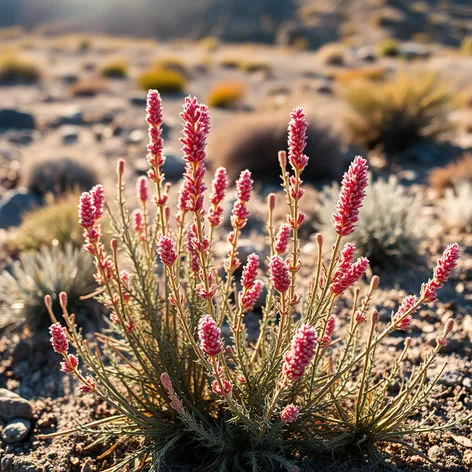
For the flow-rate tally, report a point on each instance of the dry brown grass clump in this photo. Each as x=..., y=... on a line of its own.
x=399, y=113
x=446, y=177
x=88, y=87
x=226, y=94
x=332, y=54
x=253, y=141
x=374, y=73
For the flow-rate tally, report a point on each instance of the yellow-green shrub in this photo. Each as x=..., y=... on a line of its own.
x=171, y=63
x=210, y=43
x=226, y=94
x=116, y=68
x=164, y=80
x=14, y=68
x=366, y=73
x=466, y=45
x=332, y=54
x=388, y=48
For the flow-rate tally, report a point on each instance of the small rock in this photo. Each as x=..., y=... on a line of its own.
x=14, y=119
x=323, y=86
x=174, y=165
x=23, y=137
x=14, y=204
x=135, y=136
x=366, y=54
x=435, y=452
x=16, y=430
x=69, y=78
x=13, y=406
x=450, y=378
x=21, y=351
x=72, y=116
x=70, y=134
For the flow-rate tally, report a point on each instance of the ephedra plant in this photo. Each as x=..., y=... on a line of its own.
x=305, y=386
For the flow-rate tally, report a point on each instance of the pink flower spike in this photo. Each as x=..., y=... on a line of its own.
x=209, y=335
x=407, y=305
x=98, y=199
x=86, y=210
x=250, y=271
x=349, y=278
x=350, y=197
x=175, y=401
x=442, y=340
x=195, y=130
x=70, y=365
x=166, y=250
x=289, y=414
x=59, y=340
x=249, y=299
x=244, y=186
x=279, y=274
x=297, y=139
x=441, y=273
x=227, y=387
x=138, y=220
x=154, y=108
x=142, y=189
x=219, y=184
x=282, y=239
x=301, y=352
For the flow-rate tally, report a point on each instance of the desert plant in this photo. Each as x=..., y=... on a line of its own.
x=255, y=65
x=390, y=227
x=210, y=43
x=49, y=271
x=457, y=205
x=230, y=62
x=226, y=94
x=346, y=77
x=59, y=175
x=388, y=48
x=466, y=45
x=445, y=177
x=116, y=68
x=399, y=113
x=14, y=69
x=180, y=391
x=169, y=81
x=54, y=224
x=251, y=140
x=332, y=54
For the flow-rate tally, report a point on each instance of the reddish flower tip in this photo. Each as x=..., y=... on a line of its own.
x=86, y=210
x=301, y=352
x=282, y=239
x=209, y=335
x=297, y=139
x=59, y=340
x=279, y=274
x=166, y=250
x=289, y=414
x=142, y=188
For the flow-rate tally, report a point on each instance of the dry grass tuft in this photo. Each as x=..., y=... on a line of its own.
x=394, y=115
x=332, y=54
x=374, y=73
x=442, y=178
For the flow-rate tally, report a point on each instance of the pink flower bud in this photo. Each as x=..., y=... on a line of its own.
x=271, y=201
x=209, y=335
x=70, y=364
x=407, y=305
x=282, y=239
x=120, y=167
x=289, y=414
x=166, y=250
x=63, y=299
x=142, y=189
x=219, y=184
x=249, y=299
x=244, y=186
x=279, y=274
x=442, y=340
x=59, y=340
x=350, y=277
x=350, y=197
x=227, y=387
x=89, y=385
x=138, y=221
x=98, y=199
x=154, y=108
x=302, y=350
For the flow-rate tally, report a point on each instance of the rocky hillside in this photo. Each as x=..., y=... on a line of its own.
x=303, y=22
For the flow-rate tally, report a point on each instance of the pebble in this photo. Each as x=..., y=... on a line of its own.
x=16, y=430
x=11, y=118
x=70, y=134
x=435, y=452
x=14, y=204
x=13, y=406
x=135, y=136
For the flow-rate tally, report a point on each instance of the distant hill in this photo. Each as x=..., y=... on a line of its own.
x=313, y=21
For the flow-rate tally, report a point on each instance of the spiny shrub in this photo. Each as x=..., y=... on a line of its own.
x=59, y=176
x=116, y=68
x=54, y=224
x=332, y=54
x=445, y=177
x=226, y=94
x=251, y=140
x=180, y=391
x=394, y=115
x=389, y=229
x=457, y=205
x=49, y=271
x=168, y=81
x=15, y=69
x=388, y=48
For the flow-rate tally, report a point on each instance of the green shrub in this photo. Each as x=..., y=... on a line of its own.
x=49, y=271
x=390, y=227
x=167, y=81
x=117, y=68
x=210, y=43
x=388, y=48
x=172, y=63
x=399, y=113
x=466, y=46
x=226, y=94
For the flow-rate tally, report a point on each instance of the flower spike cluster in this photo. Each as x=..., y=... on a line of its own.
x=301, y=353
x=289, y=414
x=209, y=335
x=348, y=273
x=279, y=274
x=297, y=139
x=350, y=198
x=219, y=184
